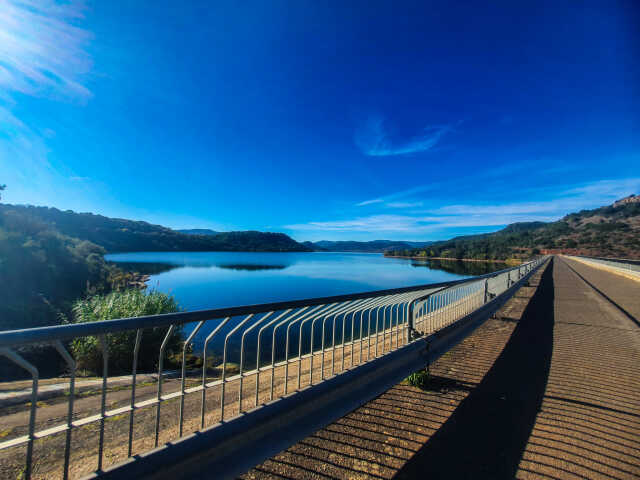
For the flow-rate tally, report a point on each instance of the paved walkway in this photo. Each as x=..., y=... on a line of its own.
x=551, y=391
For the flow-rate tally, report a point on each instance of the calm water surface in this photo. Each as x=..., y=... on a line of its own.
x=201, y=280
x=204, y=280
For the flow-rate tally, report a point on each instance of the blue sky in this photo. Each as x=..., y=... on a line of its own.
x=325, y=120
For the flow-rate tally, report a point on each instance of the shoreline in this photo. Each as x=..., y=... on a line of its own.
x=446, y=258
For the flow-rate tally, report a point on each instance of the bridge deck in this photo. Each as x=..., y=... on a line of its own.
x=548, y=392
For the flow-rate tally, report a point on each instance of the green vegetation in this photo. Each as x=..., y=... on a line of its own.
x=42, y=272
x=129, y=303
x=611, y=231
x=50, y=258
x=119, y=235
x=420, y=378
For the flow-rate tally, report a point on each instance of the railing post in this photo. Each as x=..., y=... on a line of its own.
x=486, y=290
x=410, y=322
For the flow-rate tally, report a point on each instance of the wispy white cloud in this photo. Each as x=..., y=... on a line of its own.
x=374, y=140
x=414, y=224
x=402, y=194
x=370, y=202
x=42, y=54
x=403, y=204
x=566, y=200
x=493, y=173
x=41, y=50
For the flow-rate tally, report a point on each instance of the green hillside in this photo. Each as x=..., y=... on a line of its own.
x=610, y=231
x=50, y=258
x=120, y=235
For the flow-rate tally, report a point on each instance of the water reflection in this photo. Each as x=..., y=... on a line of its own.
x=149, y=268
x=460, y=267
x=201, y=280
x=146, y=264
x=250, y=267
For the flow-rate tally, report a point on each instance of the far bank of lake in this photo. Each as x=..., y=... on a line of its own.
x=202, y=280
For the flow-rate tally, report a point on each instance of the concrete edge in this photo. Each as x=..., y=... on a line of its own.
x=606, y=268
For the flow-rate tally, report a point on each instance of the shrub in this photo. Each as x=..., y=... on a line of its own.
x=420, y=378
x=123, y=304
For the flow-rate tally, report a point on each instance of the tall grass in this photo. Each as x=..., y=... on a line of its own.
x=123, y=304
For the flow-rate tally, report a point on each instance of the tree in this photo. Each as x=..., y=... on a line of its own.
x=2, y=187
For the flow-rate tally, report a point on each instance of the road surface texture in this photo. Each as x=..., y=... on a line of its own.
x=548, y=389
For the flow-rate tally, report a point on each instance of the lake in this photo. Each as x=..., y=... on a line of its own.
x=203, y=280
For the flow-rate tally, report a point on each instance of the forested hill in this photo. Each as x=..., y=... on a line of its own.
x=365, y=247
x=119, y=235
x=610, y=231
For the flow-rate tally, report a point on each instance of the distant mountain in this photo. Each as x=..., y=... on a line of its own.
x=198, y=231
x=609, y=231
x=365, y=247
x=120, y=235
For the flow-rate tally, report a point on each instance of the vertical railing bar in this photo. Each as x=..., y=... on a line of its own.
x=351, y=304
x=324, y=315
x=377, y=324
x=134, y=372
x=184, y=373
x=403, y=319
x=262, y=329
x=17, y=359
x=353, y=320
x=103, y=402
x=377, y=307
x=304, y=321
x=399, y=312
x=165, y=342
x=342, y=308
x=384, y=323
x=244, y=334
x=353, y=307
x=204, y=368
x=316, y=309
x=344, y=332
x=361, y=333
x=224, y=362
x=273, y=345
x=72, y=380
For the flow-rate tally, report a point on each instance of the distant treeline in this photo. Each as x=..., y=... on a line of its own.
x=120, y=235
x=372, y=246
x=605, y=231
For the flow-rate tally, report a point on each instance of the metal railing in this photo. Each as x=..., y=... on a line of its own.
x=622, y=265
x=266, y=352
